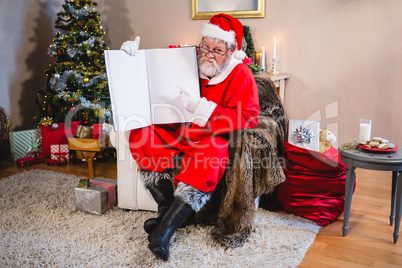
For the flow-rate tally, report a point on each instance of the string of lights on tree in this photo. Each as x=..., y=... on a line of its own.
x=76, y=83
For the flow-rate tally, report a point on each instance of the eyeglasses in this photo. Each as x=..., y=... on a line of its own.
x=217, y=53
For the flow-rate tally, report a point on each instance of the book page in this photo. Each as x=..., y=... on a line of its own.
x=168, y=68
x=128, y=87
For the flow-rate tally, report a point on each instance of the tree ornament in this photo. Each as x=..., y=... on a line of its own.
x=46, y=121
x=85, y=79
x=55, y=126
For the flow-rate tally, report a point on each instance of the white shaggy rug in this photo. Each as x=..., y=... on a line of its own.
x=39, y=226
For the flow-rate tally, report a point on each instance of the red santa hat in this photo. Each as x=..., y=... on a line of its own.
x=228, y=29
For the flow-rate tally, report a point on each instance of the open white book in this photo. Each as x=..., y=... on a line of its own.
x=143, y=88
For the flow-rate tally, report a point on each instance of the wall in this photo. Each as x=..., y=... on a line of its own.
x=26, y=30
x=344, y=56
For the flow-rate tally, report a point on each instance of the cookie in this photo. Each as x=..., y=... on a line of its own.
x=379, y=139
x=374, y=144
x=383, y=146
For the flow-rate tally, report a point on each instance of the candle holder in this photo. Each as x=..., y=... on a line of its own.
x=258, y=57
x=274, y=70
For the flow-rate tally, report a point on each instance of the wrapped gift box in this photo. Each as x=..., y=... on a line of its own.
x=22, y=142
x=97, y=131
x=304, y=134
x=98, y=197
x=57, y=150
x=83, y=132
x=57, y=136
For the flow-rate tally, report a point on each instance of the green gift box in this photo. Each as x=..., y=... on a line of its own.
x=83, y=183
x=22, y=142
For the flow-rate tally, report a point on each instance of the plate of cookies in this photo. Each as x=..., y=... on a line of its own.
x=378, y=144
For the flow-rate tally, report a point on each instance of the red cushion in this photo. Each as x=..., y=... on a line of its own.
x=315, y=184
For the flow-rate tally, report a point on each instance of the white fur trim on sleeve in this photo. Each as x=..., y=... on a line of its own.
x=203, y=112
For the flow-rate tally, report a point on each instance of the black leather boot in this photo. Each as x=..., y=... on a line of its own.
x=160, y=238
x=162, y=192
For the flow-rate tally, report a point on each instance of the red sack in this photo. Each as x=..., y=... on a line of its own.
x=57, y=136
x=315, y=184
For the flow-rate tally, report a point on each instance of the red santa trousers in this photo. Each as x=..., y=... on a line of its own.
x=205, y=150
x=203, y=163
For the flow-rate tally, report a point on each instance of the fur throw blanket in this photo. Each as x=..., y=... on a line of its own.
x=255, y=168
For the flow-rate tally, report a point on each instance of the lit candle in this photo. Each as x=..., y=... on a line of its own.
x=263, y=59
x=274, y=53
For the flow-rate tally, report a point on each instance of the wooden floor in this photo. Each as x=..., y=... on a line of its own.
x=101, y=169
x=368, y=243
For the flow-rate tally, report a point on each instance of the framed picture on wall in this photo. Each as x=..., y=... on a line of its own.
x=205, y=9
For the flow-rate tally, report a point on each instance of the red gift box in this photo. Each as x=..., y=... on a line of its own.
x=97, y=131
x=248, y=60
x=57, y=150
x=57, y=136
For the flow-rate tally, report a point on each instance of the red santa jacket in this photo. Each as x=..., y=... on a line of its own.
x=235, y=93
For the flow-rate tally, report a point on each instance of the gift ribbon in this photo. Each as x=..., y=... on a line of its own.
x=110, y=190
x=35, y=144
x=303, y=135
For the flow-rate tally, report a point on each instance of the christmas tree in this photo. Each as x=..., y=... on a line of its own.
x=76, y=84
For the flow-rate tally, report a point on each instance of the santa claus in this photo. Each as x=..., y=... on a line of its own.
x=228, y=102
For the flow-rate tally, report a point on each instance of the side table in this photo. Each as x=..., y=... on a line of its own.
x=279, y=81
x=385, y=161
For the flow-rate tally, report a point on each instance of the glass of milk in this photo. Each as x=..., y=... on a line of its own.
x=365, y=130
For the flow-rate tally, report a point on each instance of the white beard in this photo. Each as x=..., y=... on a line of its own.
x=211, y=68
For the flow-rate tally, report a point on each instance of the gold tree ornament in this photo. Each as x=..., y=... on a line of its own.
x=85, y=80
x=46, y=121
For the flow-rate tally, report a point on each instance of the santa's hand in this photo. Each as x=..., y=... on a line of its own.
x=131, y=47
x=189, y=102
x=201, y=108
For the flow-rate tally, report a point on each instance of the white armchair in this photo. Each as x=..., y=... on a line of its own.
x=131, y=192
